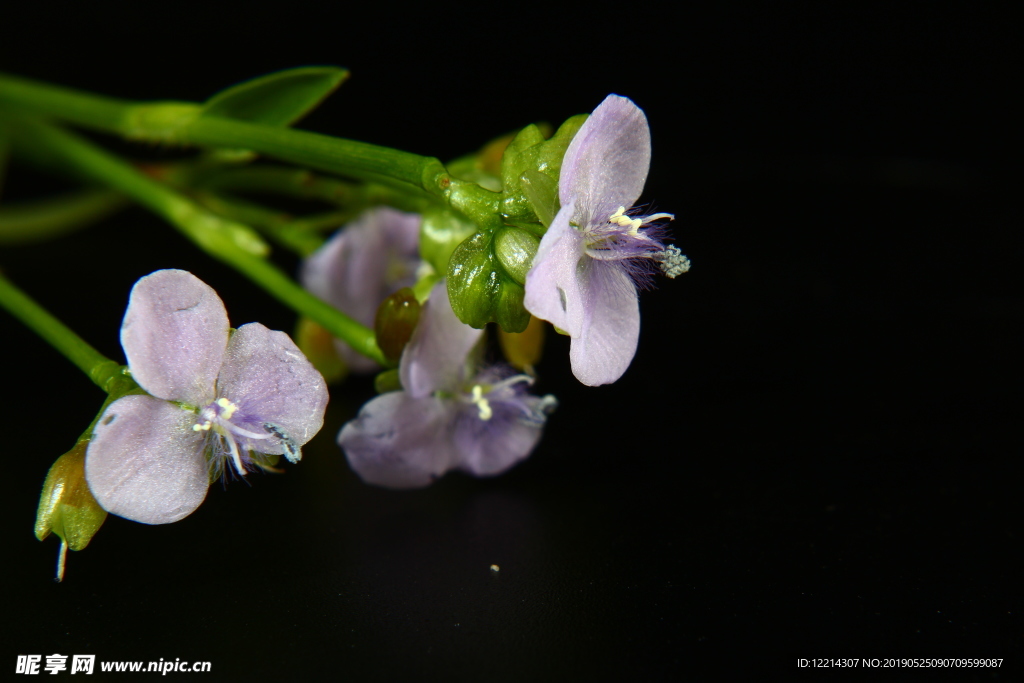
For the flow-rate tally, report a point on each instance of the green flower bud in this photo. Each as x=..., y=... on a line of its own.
x=67, y=507
x=386, y=381
x=396, y=319
x=515, y=249
x=528, y=157
x=487, y=271
x=480, y=289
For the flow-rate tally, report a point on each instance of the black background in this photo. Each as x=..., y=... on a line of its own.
x=814, y=454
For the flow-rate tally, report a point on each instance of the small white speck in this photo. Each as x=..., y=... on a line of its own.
x=495, y=568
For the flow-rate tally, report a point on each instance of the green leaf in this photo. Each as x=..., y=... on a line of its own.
x=277, y=99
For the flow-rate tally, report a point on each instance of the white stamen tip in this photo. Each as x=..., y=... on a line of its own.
x=482, y=404
x=228, y=408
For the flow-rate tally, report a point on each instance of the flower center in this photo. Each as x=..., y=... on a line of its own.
x=621, y=236
x=216, y=417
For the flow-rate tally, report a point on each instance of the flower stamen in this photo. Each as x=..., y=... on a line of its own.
x=229, y=408
x=482, y=404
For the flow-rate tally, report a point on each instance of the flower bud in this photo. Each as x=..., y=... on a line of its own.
x=479, y=288
x=527, y=157
x=515, y=249
x=396, y=319
x=66, y=506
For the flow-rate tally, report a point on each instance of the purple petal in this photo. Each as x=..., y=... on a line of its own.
x=606, y=164
x=174, y=333
x=435, y=357
x=269, y=379
x=489, y=447
x=611, y=328
x=400, y=442
x=145, y=463
x=374, y=256
x=552, y=284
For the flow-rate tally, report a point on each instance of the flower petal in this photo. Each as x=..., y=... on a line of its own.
x=374, y=256
x=435, y=357
x=607, y=343
x=606, y=164
x=400, y=442
x=489, y=447
x=552, y=285
x=269, y=379
x=145, y=463
x=174, y=333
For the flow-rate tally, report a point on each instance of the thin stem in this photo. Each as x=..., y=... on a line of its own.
x=303, y=184
x=98, y=367
x=228, y=241
x=279, y=226
x=184, y=123
x=34, y=221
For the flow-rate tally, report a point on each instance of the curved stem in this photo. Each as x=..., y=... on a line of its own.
x=100, y=369
x=228, y=241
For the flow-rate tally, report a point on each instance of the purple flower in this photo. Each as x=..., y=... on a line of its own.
x=374, y=256
x=584, y=276
x=448, y=416
x=214, y=397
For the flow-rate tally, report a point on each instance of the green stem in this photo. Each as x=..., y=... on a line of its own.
x=279, y=226
x=100, y=369
x=303, y=184
x=228, y=241
x=34, y=221
x=184, y=123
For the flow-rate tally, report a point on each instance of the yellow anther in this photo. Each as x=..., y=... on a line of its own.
x=205, y=427
x=228, y=406
x=482, y=403
x=615, y=216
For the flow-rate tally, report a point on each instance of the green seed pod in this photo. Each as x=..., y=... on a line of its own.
x=396, y=319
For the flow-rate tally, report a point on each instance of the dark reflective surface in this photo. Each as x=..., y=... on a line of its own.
x=815, y=453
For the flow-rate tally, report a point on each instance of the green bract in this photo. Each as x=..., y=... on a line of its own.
x=487, y=270
x=441, y=231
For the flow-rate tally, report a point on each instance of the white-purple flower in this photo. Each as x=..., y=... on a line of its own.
x=215, y=398
x=447, y=416
x=370, y=259
x=584, y=276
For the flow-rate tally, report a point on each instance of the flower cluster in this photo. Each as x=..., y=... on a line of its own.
x=215, y=399
x=219, y=400
x=452, y=415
